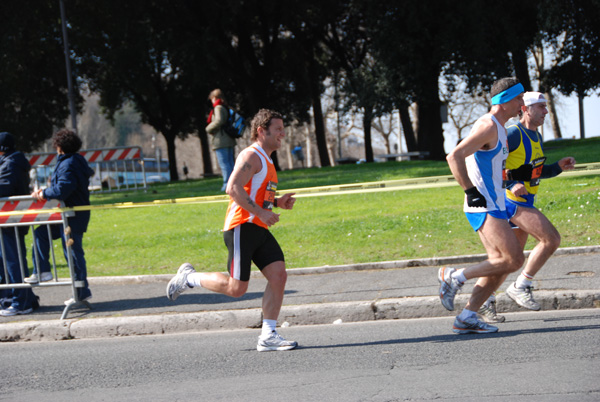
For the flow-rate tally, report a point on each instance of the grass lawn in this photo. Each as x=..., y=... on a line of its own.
x=331, y=229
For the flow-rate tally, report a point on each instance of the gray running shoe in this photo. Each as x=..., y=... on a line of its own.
x=449, y=287
x=178, y=284
x=472, y=326
x=274, y=342
x=489, y=315
x=523, y=297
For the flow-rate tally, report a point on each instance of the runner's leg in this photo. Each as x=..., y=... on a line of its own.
x=273, y=298
x=532, y=221
x=504, y=256
x=221, y=283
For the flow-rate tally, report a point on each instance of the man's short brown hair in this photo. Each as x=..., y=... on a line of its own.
x=502, y=85
x=263, y=119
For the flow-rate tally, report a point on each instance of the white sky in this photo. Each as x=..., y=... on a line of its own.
x=568, y=115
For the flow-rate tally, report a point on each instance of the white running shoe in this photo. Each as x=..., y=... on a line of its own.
x=45, y=277
x=178, y=284
x=449, y=287
x=523, y=297
x=274, y=342
x=10, y=311
x=72, y=301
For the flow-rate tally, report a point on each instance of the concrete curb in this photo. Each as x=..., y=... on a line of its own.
x=420, y=262
x=310, y=314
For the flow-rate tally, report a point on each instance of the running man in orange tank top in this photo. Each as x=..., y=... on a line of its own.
x=251, y=188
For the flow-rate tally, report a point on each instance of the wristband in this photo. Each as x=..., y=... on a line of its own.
x=275, y=202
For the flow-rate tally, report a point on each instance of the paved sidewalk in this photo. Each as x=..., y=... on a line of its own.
x=390, y=290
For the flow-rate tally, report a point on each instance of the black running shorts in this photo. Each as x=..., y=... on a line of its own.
x=250, y=243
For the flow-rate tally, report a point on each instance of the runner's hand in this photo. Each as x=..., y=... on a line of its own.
x=475, y=198
x=567, y=163
x=519, y=190
x=268, y=217
x=286, y=201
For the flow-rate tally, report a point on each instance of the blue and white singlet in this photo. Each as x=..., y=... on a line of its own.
x=485, y=171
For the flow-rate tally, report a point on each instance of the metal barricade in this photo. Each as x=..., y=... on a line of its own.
x=19, y=211
x=119, y=168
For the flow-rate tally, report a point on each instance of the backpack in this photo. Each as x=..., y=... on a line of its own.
x=235, y=126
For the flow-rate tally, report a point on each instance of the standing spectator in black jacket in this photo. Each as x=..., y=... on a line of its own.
x=69, y=183
x=14, y=180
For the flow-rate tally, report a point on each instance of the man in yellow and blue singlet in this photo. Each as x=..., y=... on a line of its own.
x=526, y=149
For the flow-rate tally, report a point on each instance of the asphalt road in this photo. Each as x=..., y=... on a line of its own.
x=541, y=356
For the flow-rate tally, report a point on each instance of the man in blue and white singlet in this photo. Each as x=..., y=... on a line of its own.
x=478, y=164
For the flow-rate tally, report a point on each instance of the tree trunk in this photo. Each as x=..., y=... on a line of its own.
x=430, y=134
x=409, y=133
x=581, y=120
x=388, y=146
x=290, y=158
x=367, y=119
x=519, y=59
x=205, y=150
x=309, y=156
x=315, y=95
x=275, y=159
x=553, y=115
x=331, y=157
x=170, y=139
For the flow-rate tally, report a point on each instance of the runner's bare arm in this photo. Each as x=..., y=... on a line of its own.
x=483, y=136
x=246, y=166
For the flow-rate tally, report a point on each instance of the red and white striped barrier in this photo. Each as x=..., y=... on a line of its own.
x=29, y=205
x=25, y=211
x=41, y=159
x=91, y=155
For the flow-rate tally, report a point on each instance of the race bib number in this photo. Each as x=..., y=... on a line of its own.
x=270, y=195
x=504, y=175
x=537, y=164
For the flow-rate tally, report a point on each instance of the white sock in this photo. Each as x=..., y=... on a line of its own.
x=268, y=327
x=459, y=275
x=193, y=279
x=465, y=314
x=523, y=281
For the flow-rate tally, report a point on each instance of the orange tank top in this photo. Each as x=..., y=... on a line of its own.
x=261, y=189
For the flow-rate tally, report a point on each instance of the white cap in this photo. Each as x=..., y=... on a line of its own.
x=531, y=98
